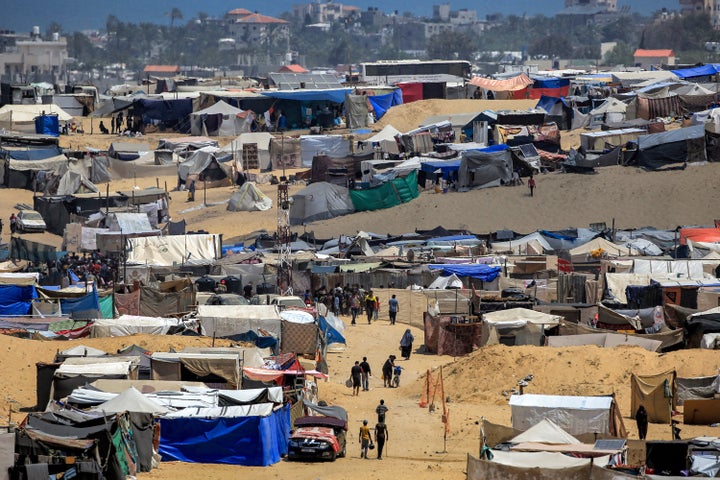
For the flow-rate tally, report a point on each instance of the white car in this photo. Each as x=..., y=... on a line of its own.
x=30, y=221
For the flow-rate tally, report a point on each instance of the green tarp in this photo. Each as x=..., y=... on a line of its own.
x=106, y=307
x=389, y=194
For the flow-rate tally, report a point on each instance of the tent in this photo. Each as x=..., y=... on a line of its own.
x=128, y=150
x=574, y=414
x=657, y=393
x=249, y=198
x=489, y=167
x=261, y=140
x=174, y=249
x=220, y=119
x=388, y=194
x=444, y=335
x=72, y=183
x=671, y=149
x=250, y=435
x=700, y=324
x=320, y=201
x=539, y=466
x=450, y=281
x=611, y=110
x=226, y=320
x=598, y=248
x=299, y=333
x=532, y=244
x=385, y=138
x=517, y=326
x=131, y=400
x=600, y=140
x=77, y=371
x=223, y=366
x=331, y=145
x=132, y=325
x=21, y=118
x=208, y=167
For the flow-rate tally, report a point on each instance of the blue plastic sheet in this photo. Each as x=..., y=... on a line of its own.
x=485, y=273
x=331, y=334
x=16, y=299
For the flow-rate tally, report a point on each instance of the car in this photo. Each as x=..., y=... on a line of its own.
x=30, y=221
x=291, y=302
x=318, y=437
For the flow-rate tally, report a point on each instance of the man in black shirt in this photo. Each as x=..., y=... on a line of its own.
x=366, y=372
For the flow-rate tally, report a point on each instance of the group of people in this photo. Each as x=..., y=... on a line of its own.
x=354, y=301
x=365, y=436
x=92, y=268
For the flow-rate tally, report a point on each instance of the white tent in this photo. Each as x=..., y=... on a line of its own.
x=386, y=139
x=249, y=198
x=320, y=201
x=131, y=400
x=518, y=317
x=132, y=325
x=600, y=247
x=451, y=281
x=532, y=244
x=261, y=139
x=546, y=432
x=224, y=320
x=219, y=119
x=575, y=415
x=22, y=117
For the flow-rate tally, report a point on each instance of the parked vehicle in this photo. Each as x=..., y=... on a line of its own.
x=318, y=438
x=30, y=221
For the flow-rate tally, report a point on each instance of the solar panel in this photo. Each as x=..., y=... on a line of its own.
x=610, y=444
x=528, y=150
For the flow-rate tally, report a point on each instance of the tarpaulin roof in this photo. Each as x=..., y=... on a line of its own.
x=677, y=135
x=335, y=95
x=550, y=82
x=701, y=71
x=510, y=85
x=27, y=113
x=485, y=273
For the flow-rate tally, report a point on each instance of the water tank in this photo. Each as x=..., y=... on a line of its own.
x=232, y=284
x=56, y=36
x=36, y=31
x=205, y=284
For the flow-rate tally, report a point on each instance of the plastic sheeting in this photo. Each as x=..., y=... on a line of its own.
x=241, y=440
x=249, y=198
x=330, y=145
x=389, y=194
x=656, y=393
x=485, y=168
x=226, y=320
x=174, y=249
x=16, y=299
x=573, y=414
x=486, y=273
x=320, y=201
x=131, y=325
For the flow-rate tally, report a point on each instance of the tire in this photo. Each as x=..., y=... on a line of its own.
x=343, y=452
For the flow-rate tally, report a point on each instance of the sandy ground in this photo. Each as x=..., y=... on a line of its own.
x=416, y=451
x=630, y=197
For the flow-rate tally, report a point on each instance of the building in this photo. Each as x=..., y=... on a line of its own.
x=29, y=58
x=325, y=12
x=604, y=6
x=711, y=7
x=162, y=71
x=255, y=30
x=647, y=58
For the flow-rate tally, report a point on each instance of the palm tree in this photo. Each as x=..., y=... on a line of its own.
x=175, y=14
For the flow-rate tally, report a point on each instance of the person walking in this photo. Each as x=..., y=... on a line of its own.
x=393, y=308
x=364, y=439
x=356, y=375
x=13, y=223
x=365, y=376
x=354, y=306
x=381, y=436
x=531, y=185
x=381, y=410
x=406, y=344
x=370, y=301
x=641, y=417
x=376, y=312
x=387, y=371
x=191, y=192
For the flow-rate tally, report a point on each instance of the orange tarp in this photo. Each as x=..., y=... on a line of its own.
x=509, y=85
x=709, y=235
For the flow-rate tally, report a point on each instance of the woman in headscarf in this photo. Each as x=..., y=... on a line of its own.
x=406, y=344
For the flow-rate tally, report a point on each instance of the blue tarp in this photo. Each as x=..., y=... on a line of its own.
x=547, y=103
x=335, y=95
x=331, y=334
x=86, y=303
x=485, y=273
x=447, y=167
x=702, y=71
x=323, y=269
x=260, y=341
x=248, y=441
x=35, y=153
x=163, y=110
x=382, y=103
x=47, y=125
x=558, y=236
x=550, y=82
x=16, y=299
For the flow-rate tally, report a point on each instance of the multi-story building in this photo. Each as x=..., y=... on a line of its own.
x=605, y=6
x=254, y=29
x=26, y=58
x=711, y=7
x=325, y=12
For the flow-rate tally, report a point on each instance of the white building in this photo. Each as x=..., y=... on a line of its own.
x=34, y=58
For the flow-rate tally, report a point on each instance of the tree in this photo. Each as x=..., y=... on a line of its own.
x=452, y=46
x=175, y=14
x=622, y=54
x=553, y=45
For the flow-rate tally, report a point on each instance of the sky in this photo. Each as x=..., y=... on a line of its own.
x=74, y=15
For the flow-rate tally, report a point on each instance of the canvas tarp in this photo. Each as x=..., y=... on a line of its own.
x=667, y=149
x=606, y=340
x=532, y=244
x=491, y=470
x=389, y=194
x=357, y=110
x=695, y=388
x=667, y=338
x=157, y=303
x=513, y=84
x=249, y=198
x=219, y=119
x=167, y=366
x=485, y=168
x=173, y=249
x=209, y=162
x=330, y=145
x=131, y=400
x=496, y=433
x=656, y=393
x=320, y=201
x=226, y=320
x=131, y=325
x=574, y=414
x=602, y=246
x=286, y=152
x=261, y=140
x=210, y=437
x=444, y=335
